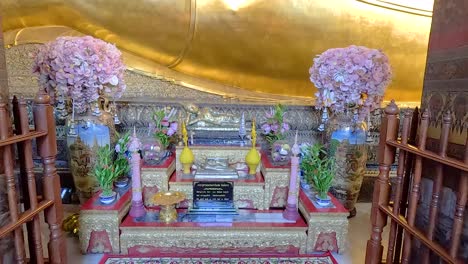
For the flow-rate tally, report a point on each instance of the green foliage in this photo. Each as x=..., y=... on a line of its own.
x=120, y=157
x=105, y=170
x=161, y=131
x=319, y=168
x=276, y=118
x=280, y=110
x=272, y=138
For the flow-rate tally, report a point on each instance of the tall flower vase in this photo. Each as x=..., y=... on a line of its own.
x=86, y=132
x=348, y=146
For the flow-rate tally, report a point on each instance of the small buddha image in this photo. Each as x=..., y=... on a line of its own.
x=216, y=164
x=207, y=117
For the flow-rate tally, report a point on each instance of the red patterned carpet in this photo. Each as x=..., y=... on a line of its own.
x=324, y=258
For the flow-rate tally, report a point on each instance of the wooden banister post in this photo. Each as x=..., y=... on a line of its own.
x=6, y=243
x=388, y=131
x=4, y=94
x=47, y=148
x=13, y=203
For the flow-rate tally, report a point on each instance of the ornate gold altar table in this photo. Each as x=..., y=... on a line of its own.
x=214, y=237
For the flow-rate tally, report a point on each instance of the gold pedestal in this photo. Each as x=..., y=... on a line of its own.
x=168, y=214
x=167, y=200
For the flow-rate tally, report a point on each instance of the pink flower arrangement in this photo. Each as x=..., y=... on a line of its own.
x=351, y=77
x=163, y=128
x=81, y=68
x=275, y=127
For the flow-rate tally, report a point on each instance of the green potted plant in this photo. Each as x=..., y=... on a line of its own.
x=106, y=171
x=121, y=160
x=319, y=170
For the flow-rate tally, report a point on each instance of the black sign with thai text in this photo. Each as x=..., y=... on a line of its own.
x=213, y=193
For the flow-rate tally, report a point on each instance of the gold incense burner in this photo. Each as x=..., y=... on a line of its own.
x=167, y=200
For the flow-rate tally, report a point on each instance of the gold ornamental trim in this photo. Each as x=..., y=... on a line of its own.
x=325, y=223
x=213, y=238
x=143, y=66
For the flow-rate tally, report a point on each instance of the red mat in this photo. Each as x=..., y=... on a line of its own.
x=322, y=258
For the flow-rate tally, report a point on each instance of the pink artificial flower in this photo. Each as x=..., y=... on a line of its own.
x=342, y=75
x=165, y=122
x=172, y=129
x=266, y=128
x=274, y=127
x=174, y=126
x=80, y=68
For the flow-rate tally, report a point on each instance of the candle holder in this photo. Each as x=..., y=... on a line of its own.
x=116, y=117
x=134, y=145
x=369, y=138
x=242, y=132
x=324, y=120
x=168, y=200
x=291, y=212
x=96, y=111
x=72, y=127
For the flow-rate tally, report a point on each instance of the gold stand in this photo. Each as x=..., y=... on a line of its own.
x=168, y=214
x=167, y=200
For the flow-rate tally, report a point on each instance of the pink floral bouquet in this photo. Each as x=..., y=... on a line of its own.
x=81, y=68
x=164, y=129
x=352, y=77
x=275, y=127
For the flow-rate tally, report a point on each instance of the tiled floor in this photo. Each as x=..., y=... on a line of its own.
x=359, y=231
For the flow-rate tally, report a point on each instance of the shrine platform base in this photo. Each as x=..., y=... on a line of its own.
x=323, y=258
x=108, y=229
x=250, y=232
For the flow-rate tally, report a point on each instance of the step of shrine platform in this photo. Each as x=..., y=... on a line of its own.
x=248, y=192
x=249, y=232
x=317, y=258
x=109, y=229
x=267, y=189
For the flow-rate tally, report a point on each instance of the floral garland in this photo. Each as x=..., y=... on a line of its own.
x=81, y=68
x=351, y=77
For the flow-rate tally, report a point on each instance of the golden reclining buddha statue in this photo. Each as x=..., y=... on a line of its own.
x=258, y=50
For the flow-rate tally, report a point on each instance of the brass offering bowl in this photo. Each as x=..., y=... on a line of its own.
x=167, y=200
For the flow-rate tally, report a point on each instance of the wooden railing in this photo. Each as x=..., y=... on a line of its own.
x=51, y=203
x=402, y=213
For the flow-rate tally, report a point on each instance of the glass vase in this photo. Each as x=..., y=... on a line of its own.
x=280, y=152
x=87, y=132
x=348, y=145
x=154, y=153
